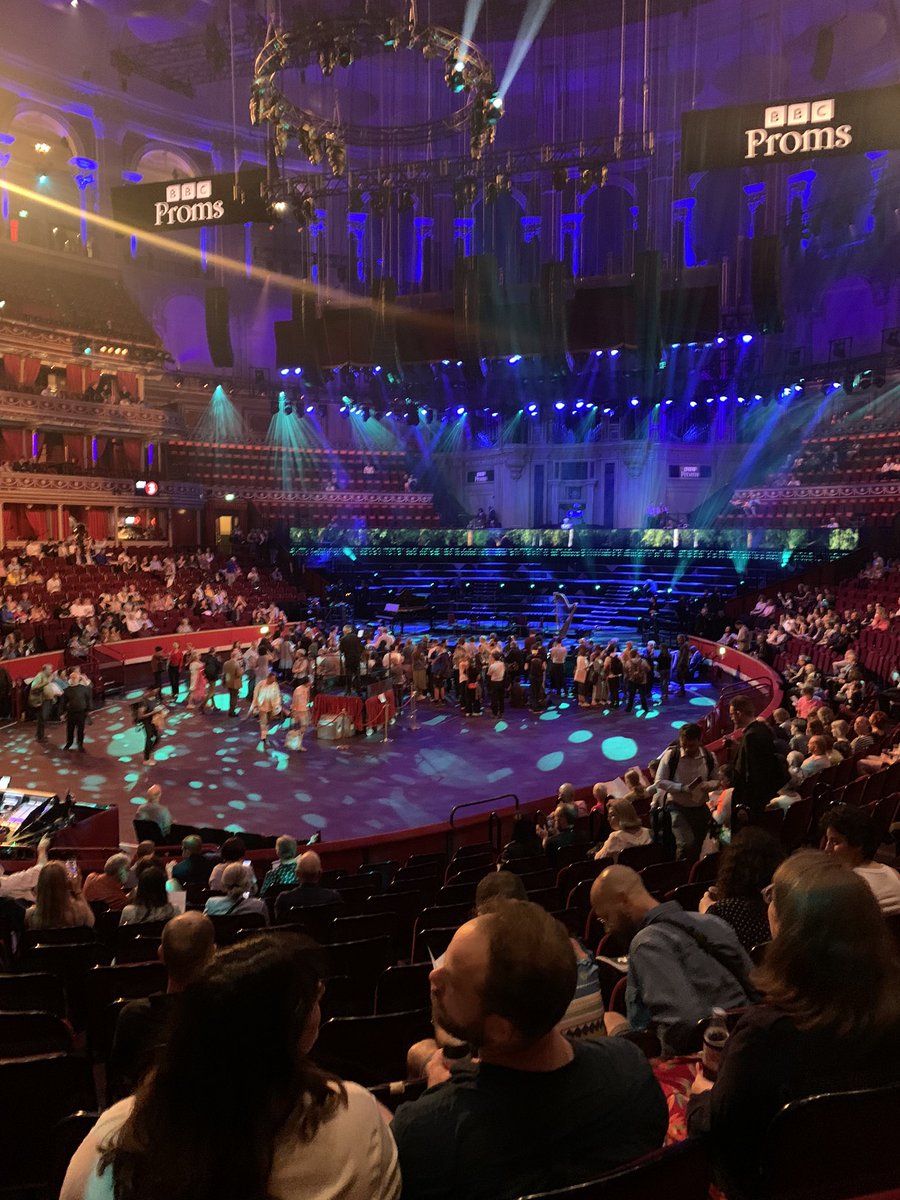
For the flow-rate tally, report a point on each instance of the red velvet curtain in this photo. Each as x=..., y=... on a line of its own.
x=74, y=379
x=132, y=450
x=73, y=448
x=98, y=522
x=127, y=381
x=10, y=445
x=92, y=376
x=30, y=370
x=12, y=365
x=15, y=522
x=36, y=519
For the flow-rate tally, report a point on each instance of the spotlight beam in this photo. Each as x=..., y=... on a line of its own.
x=530, y=26
x=470, y=20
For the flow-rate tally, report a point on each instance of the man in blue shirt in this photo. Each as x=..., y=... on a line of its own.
x=680, y=964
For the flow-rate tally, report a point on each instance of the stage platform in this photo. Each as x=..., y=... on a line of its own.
x=213, y=773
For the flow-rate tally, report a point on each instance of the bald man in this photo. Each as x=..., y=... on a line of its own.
x=154, y=810
x=680, y=964
x=187, y=947
x=482, y=1132
x=310, y=892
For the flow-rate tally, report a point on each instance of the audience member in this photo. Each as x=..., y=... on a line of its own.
x=852, y=840
x=108, y=885
x=194, y=867
x=232, y=850
x=278, y=1127
x=680, y=964
x=310, y=892
x=759, y=770
x=746, y=867
x=237, y=898
x=154, y=810
x=535, y=1110
x=20, y=885
x=829, y=1020
x=186, y=947
x=685, y=773
x=627, y=830
x=59, y=902
x=284, y=869
x=150, y=903
x=525, y=842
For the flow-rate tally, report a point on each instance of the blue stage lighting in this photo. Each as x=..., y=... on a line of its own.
x=757, y=396
x=559, y=405
x=668, y=403
x=579, y=404
x=720, y=341
x=298, y=370
x=513, y=359
x=460, y=412
x=598, y=354
x=634, y=402
x=693, y=404
x=722, y=399
x=532, y=408
x=746, y=338
x=613, y=354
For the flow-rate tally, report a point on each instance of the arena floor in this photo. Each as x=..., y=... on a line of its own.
x=213, y=773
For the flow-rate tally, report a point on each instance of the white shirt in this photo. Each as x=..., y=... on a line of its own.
x=20, y=885
x=497, y=671
x=351, y=1157
x=885, y=884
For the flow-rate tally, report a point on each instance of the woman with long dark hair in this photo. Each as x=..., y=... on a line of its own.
x=829, y=1018
x=746, y=867
x=277, y=1128
x=151, y=901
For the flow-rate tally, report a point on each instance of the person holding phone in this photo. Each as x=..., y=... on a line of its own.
x=683, y=777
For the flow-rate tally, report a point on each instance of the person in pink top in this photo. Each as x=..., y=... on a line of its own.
x=806, y=702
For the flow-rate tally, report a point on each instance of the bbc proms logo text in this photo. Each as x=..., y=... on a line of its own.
x=801, y=127
x=188, y=204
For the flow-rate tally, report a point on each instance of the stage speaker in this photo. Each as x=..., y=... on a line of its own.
x=218, y=337
x=823, y=54
x=556, y=292
x=765, y=283
x=647, y=299
x=474, y=305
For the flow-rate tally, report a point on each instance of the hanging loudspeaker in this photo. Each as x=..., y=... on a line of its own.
x=218, y=337
x=556, y=290
x=474, y=304
x=765, y=283
x=647, y=294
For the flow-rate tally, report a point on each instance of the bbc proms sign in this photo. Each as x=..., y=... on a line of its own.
x=791, y=130
x=191, y=203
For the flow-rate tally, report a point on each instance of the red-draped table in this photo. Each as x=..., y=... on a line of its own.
x=362, y=715
x=330, y=705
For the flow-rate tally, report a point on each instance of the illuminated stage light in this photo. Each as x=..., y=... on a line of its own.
x=720, y=341
x=460, y=412
x=614, y=354
x=559, y=405
x=746, y=338
x=693, y=404
x=513, y=359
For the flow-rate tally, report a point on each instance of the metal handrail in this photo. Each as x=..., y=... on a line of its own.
x=493, y=818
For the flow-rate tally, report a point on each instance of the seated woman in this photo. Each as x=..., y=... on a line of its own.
x=287, y=1129
x=852, y=841
x=151, y=903
x=829, y=1018
x=525, y=842
x=237, y=885
x=627, y=830
x=746, y=866
x=58, y=902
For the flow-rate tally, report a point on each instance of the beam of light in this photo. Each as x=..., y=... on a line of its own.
x=221, y=422
x=232, y=266
x=529, y=27
x=470, y=20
